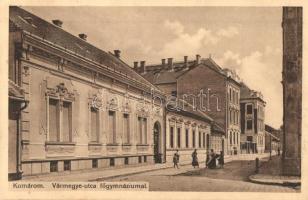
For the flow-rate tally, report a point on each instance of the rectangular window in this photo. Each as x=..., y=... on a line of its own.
x=234, y=117
x=144, y=130
x=186, y=138
x=54, y=114
x=94, y=125
x=199, y=139
x=94, y=163
x=171, y=137
x=249, y=124
x=144, y=158
x=126, y=161
x=139, y=129
x=249, y=109
x=139, y=159
x=126, y=138
x=60, y=126
x=67, y=165
x=111, y=162
x=230, y=95
x=53, y=166
x=112, y=133
x=194, y=139
x=233, y=96
x=179, y=138
x=66, y=122
x=203, y=142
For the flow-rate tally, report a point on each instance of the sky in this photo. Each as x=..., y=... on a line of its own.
x=246, y=39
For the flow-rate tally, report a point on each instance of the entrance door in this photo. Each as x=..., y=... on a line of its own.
x=157, y=154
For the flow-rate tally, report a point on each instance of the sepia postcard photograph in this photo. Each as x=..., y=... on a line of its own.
x=148, y=98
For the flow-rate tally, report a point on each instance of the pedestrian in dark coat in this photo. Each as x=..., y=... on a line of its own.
x=194, y=156
x=212, y=162
x=175, y=161
x=221, y=159
x=207, y=159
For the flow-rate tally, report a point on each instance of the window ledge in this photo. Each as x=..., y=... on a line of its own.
x=142, y=145
x=112, y=144
x=126, y=144
x=95, y=144
x=59, y=143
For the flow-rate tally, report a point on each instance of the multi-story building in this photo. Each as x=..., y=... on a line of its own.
x=252, y=120
x=86, y=108
x=205, y=85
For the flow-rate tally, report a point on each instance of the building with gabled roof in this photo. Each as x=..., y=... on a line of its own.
x=190, y=79
x=86, y=107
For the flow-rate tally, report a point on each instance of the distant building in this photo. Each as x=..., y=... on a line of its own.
x=272, y=140
x=87, y=108
x=252, y=120
x=205, y=85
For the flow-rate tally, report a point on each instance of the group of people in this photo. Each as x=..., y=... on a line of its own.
x=210, y=162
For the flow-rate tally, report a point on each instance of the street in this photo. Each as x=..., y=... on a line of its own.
x=233, y=178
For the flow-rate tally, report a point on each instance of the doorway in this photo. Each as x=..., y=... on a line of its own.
x=156, y=138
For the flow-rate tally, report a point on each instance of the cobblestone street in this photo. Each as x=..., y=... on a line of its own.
x=233, y=178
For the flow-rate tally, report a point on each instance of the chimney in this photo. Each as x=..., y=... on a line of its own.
x=170, y=63
x=117, y=53
x=29, y=20
x=163, y=62
x=198, y=58
x=57, y=22
x=83, y=36
x=136, y=65
x=142, y=67
x=185, y=61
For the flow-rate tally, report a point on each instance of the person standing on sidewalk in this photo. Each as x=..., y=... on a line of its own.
x=194, y=156
x=175, y=161
x=221, y=159
x=207, y=159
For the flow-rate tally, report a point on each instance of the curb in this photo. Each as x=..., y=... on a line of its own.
x=271, y=182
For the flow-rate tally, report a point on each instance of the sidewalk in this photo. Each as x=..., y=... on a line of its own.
x=270, y=173
x=101, y=174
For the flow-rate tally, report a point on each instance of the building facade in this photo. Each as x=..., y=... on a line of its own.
x=188, y=129
x=272, y=140
x=204, y=85
x=252, y=120
x=87, y=108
